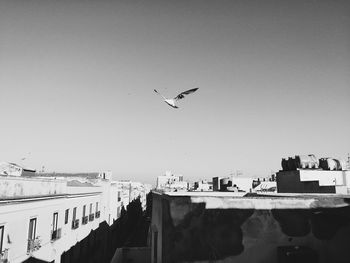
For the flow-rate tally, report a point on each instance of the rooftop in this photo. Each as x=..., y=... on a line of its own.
x=241, y=200
x=91, y=175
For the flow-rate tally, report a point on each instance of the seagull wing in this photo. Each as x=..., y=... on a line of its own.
x=182, y=94
x=159, y=94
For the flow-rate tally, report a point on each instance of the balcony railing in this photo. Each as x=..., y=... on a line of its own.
x=56, y=234
x=91, y=217
x=97, y=214
x=85, y=220
x=4, y=256
x=33, y=245
x=75, y=224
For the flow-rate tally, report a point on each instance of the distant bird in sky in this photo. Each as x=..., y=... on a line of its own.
x=172, y=102
x=24, y=158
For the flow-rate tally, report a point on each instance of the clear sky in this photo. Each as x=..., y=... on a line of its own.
x=77, y=80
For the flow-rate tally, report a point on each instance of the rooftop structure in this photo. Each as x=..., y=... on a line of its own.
x=203, y=185
x=230, y=227
x=307, y=174
x=13, y=169
x=171, y=182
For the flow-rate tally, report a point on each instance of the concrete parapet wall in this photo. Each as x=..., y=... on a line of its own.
x=17, y=187
x=325, y=178
x=83, y=190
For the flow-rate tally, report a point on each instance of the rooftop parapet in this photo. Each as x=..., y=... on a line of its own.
x=20, y=187
x=241, y=200
x=13, y=187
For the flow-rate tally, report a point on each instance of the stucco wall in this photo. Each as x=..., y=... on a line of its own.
x=15, y=216
x=16, y=187
x=192, y=232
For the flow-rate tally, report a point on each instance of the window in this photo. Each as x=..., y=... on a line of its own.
x=66, y=215
x=75, y=221
x=54, y=222
x=97, y=213
x=32, y=229
x=56, y=233
x=2, y=228
x=74, y=213
x=85, y=218
x=91, y=214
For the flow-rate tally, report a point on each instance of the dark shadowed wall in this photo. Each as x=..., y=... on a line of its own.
x=189, y=232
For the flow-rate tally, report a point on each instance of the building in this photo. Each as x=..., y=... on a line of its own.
x=325, y=175
x=307, y=220
x=171, y=182
x=227, y=227
x=216, y=183
x=129, y=191
x=13, y=169
x=42, y=215
x=242, y=183
x=203, y=185
x=233, y=183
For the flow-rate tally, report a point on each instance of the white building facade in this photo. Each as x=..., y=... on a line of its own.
x=43, y=217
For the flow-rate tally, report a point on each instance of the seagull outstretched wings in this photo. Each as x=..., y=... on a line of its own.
x=182, y=94
x=172, y=102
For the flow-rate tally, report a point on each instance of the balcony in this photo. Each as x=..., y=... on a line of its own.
x=97, y=214
x=91, y=217
x=4, y=256
x=85, y=220
x=56, y=234
x=33, y=245
x=75, y=224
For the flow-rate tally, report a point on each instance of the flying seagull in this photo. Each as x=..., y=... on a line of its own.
x=172, y=102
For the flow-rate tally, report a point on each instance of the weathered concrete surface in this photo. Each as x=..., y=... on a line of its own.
x=16, y=187
x=250, y=229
